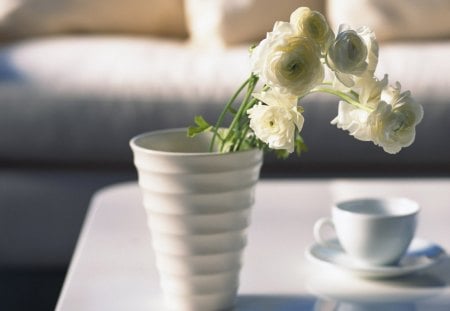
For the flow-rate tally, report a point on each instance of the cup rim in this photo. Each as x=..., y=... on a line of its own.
x=413, y=207
x=135, y=146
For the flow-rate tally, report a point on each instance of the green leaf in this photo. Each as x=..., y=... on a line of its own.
x=202, y=126
x=300, y=145
x=201, y=122
x=282, y=154
x=193, y=131
x=232, y=110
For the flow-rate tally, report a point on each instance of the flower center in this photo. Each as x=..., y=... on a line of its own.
x=294, y=68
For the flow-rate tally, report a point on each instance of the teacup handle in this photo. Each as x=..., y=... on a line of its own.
x=318, y=231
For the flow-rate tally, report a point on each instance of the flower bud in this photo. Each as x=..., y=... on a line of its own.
x=312, y=24
x=348, y=53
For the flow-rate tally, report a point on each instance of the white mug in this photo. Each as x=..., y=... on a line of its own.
x=372, y=231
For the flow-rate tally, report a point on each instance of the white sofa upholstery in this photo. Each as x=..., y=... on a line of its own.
x=78, y=99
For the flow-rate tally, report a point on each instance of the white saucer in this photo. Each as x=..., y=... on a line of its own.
x=421, y=255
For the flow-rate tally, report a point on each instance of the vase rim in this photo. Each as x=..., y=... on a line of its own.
x=135, y=146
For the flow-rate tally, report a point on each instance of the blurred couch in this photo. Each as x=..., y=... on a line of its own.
x=79, y=78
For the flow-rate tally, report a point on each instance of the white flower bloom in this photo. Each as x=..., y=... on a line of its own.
x=275, y=119
x=353, y=120
x=273, y=125
x=282, y=31
x=287, y=61
x=394, y=121
x=370, y=90
x=274, y=97
x=312, y=24
x=353, y=54
x=304, y=56
x=370, y=41
x=391, y=125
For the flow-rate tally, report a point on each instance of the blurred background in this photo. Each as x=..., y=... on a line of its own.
x=79, y=78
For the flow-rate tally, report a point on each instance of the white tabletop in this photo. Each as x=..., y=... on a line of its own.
x=113, y=265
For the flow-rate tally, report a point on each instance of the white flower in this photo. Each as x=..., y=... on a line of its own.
x=370, y=90
x=391, y=123
x=275, y=119
x=282, y=31
x=312, y=24
x=353, y=120
x=353, y=54
x=274, y=97
x=394, y=121
x=287, y=61
x=303, y=56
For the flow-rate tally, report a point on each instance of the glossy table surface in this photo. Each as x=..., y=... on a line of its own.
x=113, y=265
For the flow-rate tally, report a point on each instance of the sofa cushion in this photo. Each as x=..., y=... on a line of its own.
x=393, y=20
x=43, y=17
x=228, y=22
x=77, y=100
x=80, y=99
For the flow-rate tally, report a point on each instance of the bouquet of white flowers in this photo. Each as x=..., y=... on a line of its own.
x=304, y=56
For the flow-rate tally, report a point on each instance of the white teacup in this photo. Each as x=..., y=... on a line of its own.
x=372, y=231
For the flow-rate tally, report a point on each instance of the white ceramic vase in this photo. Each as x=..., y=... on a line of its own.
x=198, y=207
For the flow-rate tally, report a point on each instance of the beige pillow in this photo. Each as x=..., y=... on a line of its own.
x=394, y=19
x=228, y=22
x=22, y=18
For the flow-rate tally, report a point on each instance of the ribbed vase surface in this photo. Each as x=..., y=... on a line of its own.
x=198, y=207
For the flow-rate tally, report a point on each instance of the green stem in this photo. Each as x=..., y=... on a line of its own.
x=224, y=111
x=243, y=136
x=246, y=124
x=235, y=122
x=344, y=96
x=245, y=127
